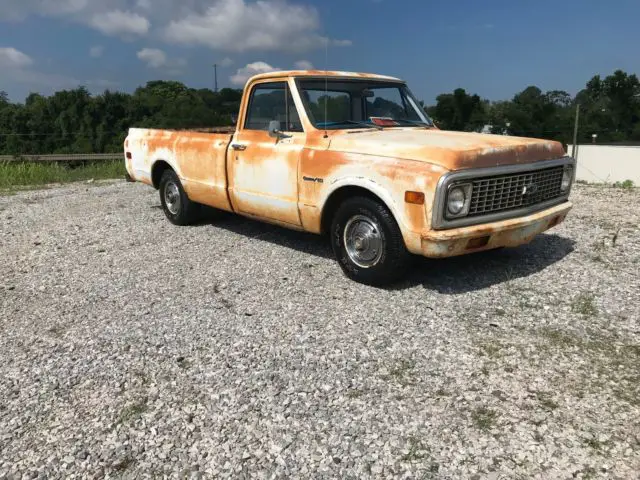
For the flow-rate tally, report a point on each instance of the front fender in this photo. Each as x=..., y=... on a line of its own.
x=367, y=184
x=412, y=219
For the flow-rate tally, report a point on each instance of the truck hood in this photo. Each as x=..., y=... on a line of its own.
x=448, y=149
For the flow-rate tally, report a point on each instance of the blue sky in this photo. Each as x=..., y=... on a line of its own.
x=494, y=48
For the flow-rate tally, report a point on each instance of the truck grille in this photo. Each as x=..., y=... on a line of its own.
x=508, y=192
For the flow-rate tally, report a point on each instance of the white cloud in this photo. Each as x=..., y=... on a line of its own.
x=237, y=25
x=10, y=58
x=111, y=17
x=243, y=74
x=156, y=58
x=118, y=22
x=14, y=10
x=341, y=43
x=96, y=51
x=19, y=69
x=225, y=25
x=153, y=57
x=226, y=62
x=303, y=65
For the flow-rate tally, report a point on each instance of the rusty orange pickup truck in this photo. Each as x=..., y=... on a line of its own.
x=354, y=156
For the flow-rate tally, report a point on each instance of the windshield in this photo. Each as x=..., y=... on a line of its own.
x=342, y=104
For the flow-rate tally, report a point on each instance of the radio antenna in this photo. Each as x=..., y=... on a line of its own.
x=326, y=84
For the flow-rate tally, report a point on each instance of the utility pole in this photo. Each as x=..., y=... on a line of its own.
x=575, y=133
x=215, y=77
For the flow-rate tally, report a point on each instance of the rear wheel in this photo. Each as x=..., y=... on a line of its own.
x=367, y=242
x=175, y=203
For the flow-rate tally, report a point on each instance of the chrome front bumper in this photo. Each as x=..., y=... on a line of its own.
x=505, y=233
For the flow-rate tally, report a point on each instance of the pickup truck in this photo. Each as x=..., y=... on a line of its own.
x=355, y=157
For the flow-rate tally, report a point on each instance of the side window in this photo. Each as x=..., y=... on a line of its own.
x=272, y=101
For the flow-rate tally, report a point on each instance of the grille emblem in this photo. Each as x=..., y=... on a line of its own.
x=530, y=189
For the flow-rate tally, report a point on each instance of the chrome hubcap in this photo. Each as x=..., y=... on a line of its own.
x=172, y=197
x=363, y=241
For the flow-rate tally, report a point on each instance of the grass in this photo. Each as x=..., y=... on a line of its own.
x=354, y=393
x=132, y=412
x=57, y=331
x=546, y=401
x=606, y=360
x=585, y=304
x=595, y=444
x=626, y=185
x=560, y=339
x=27, y=174
x=123, y=464
x=403, y=371
x=484, y=418
x=416, y=451
x=491, y=349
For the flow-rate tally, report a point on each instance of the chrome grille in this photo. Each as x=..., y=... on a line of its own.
x=507, y=192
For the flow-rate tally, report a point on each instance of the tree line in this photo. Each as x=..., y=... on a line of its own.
x=609, y=108
x=74, y=121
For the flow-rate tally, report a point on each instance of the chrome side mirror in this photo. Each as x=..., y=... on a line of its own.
x=274, y=130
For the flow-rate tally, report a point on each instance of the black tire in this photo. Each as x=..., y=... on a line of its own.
x=384, y=257
x=180, y=211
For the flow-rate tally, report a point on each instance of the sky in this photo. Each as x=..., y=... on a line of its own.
x=494, y=48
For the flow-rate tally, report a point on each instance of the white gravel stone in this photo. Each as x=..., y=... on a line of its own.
x=232, y=349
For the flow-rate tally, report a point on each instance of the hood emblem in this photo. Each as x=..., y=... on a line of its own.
x=530, y=189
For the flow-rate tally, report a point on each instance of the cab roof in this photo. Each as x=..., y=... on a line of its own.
x=321, y=73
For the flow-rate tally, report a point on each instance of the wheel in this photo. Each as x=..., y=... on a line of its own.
x=175, y=203
x=367, y=242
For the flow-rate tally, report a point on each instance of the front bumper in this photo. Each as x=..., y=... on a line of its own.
x=506, y=233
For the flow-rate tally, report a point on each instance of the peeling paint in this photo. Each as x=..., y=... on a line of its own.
x=268, y=178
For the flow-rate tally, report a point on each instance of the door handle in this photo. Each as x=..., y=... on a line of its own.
x=238, y=146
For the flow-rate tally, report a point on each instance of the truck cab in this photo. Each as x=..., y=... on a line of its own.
x=354, y=156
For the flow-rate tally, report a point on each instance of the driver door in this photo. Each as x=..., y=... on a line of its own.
x=263, y=170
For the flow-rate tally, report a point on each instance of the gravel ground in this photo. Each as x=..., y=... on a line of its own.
x=133, y=348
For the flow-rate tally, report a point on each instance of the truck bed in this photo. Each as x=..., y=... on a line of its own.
x=197, y=156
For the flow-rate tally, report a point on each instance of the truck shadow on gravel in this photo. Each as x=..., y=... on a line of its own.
x=452, y=276
x=476, y=271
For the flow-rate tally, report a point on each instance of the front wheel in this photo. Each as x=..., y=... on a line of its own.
x=367, y=242
x=175, y=203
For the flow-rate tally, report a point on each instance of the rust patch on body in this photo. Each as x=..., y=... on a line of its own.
x=288, y=181
x=506, y=233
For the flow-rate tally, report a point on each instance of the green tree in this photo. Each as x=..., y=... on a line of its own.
x=459, y=111
x=610, y=108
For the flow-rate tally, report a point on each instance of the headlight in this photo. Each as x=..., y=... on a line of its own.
x=567, y=178
x=458, y=199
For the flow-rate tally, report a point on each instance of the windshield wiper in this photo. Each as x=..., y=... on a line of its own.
x=351, y=122
x=364, y=124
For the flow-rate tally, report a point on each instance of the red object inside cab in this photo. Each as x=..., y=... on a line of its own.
x=383, y=121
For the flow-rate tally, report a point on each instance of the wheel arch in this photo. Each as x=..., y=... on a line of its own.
x=158, y=168
x=350, y=189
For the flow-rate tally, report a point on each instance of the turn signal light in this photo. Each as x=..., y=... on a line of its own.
x=414, y=197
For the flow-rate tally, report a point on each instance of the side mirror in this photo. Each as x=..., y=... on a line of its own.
x=274, y=129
